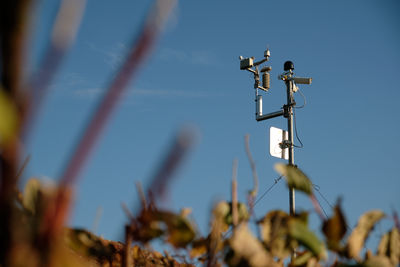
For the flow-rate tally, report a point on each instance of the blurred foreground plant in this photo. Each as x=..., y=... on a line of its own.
x=32, y=222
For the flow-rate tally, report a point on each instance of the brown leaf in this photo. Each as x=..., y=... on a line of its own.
x=334, y=229
x=199, y=248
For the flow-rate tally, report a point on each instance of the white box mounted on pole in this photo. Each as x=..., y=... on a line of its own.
x=276, y=143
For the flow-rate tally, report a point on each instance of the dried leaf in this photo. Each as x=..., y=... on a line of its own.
x=334, y=229
x=357, y=238
x=383, y=245
x=274, y=233
x=389, y=246
x=394, y=246
x=299, y=231
x=155, y=223
x=185, y=212
x=31, y=195
x=295, y=178
x=199, y=248
x=247, y=248
x=180, y=230
x=88, y=244
x=377, y=261
x=146, y=227
x=221, y=210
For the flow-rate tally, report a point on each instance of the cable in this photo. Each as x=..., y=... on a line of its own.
x=267, y=191
x=322, y=208
x=304, y=99
x=316, y=187
x=295, y=129
x=258, y=200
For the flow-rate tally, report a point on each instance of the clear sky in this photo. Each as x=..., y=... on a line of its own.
x=349, y=127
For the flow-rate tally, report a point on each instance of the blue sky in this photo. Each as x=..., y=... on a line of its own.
x=349, y=127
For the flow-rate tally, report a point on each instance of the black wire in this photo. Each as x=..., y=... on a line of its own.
x=258, y=200
x=295, y=129
x=267, y=191
x=319, y=204
x=304, y=99
x=316, y=187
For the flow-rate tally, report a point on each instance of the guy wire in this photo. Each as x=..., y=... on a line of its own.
x=267, y=191
x=258, y=200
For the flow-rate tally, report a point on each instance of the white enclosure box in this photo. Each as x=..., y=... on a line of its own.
x=276, y=137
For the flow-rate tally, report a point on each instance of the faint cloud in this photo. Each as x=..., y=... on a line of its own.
x=113, y=57
x=68, y=82
x=169, y=93
x=73, y=79
x=168, y=54
x=89, y=92
x=205, y=58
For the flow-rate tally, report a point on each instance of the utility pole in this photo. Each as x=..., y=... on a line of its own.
x=286, y=111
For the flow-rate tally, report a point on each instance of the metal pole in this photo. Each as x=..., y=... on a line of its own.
x=289, y=114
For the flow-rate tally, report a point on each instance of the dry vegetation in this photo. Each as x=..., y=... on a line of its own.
x=33, y=228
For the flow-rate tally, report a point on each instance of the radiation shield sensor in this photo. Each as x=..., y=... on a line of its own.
x=276, y=143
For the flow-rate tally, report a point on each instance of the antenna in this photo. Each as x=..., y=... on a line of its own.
x=285, y=138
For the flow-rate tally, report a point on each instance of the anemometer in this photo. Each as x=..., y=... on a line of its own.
x=281, y=142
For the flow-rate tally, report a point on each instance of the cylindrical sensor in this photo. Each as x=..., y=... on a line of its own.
x=265, y=80
x=259, y=105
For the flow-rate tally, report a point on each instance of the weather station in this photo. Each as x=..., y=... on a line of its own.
x=281, y=141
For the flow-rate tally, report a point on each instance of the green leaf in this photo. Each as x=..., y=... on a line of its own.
x=243, y=214
x=299, y=231
x=223, y=212
x=357, y=238
x=8, y=118
x=302, y=258
x=295, y=178
x=88, y=244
